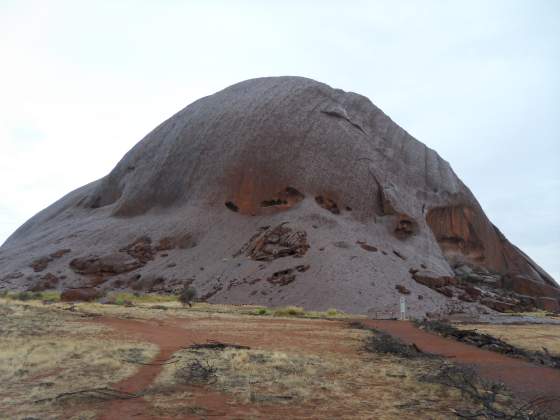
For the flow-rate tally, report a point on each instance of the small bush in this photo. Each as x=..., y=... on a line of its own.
x=187, y=295
x=334, y=312
x=261, y=311
x=121, y=298
x=52, y=296
x=289, y=311
x=196, y=373
x=386, y=344
x=23, y=296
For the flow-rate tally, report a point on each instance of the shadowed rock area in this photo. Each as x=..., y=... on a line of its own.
x=281, y=191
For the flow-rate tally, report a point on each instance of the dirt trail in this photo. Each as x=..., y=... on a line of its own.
x=526, y=380
x=170, y=338
x=172, y=334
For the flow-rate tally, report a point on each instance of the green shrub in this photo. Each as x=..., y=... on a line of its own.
x=23, y=296
x=121, y=298
x=261, y=311
x=289, y=311
x=187, y=295
x=50, y=296
x=334, y=312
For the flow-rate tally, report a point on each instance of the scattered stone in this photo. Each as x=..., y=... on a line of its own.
x=106, y=265
x=403, y=290
x=367, y=247
x=40, y=264
x=141, y=249
x=272, y=243
x=447, y=291
x=433, y=282
x=60, y=253
x=283, y=277
x=46, y=282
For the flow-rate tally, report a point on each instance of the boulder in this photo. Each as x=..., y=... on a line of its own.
x=79, y=295
x=549, y=304
x=46, y=282
x=498, y=305
x=433, y=281
x=402, y=290
x=110, y=264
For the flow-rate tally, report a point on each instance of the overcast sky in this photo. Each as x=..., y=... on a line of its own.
x=479, y=81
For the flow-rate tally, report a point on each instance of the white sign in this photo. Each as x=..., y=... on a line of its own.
x=403, y=308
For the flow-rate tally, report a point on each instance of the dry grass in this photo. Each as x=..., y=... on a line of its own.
x=45, y=352
x=379, y=387
x=295, y=367
x=307, y=367
x=528, y=337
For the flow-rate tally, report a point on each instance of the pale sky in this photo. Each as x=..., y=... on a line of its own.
x=478, y=81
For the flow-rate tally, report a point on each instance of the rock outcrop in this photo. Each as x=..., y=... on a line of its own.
x=280, y=191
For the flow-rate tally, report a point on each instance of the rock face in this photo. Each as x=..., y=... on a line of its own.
x=280, y=191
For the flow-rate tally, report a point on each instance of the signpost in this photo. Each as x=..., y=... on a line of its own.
x=403, y=308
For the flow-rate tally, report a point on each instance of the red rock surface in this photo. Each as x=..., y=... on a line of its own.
x=353, y=196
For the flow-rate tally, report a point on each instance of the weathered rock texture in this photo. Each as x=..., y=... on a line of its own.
x=280, y=191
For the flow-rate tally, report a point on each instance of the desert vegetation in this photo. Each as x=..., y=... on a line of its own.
x=46, y=352
x=533, y=338
x=65, y=359
x=529, y=342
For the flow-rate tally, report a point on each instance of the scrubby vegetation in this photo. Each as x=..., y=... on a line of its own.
x=122, y=297
x=49, y=296
x=298, y=312
x=45, y=353
x=187, y=295
x=250, y=361
x=492, y=400
x=492, y=343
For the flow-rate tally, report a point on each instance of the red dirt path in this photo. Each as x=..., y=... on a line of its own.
x=169, y=338
x=526, y=380
x=172, y=334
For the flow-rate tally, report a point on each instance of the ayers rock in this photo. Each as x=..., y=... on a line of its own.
x=280, y=191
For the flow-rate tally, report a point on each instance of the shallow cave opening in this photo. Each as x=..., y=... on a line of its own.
x=287, y=197
x=327, y=204
x=405, y=227
x=274, y=202
x=231, y=205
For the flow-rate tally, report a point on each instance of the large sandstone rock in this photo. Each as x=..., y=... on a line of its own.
x=241, y=189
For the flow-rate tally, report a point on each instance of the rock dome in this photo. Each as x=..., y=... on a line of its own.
x=277, y=191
